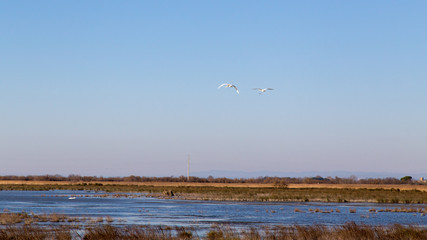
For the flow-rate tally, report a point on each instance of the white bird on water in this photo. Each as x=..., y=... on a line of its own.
x=229, y=86
x=262, y=90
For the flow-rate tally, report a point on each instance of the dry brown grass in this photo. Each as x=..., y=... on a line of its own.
x=362, y=186
x=241, y=191
x=248, y=185
x=347, y=231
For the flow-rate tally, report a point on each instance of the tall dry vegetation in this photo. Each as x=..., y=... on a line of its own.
x=279, y=194
x=348, y=231
x=210, y=179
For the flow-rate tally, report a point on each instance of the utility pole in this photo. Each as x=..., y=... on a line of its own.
x=188, y=168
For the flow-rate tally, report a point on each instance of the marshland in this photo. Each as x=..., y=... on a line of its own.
x=388, y=190
x=96, y=215
x=211, y=210
x=348, y=231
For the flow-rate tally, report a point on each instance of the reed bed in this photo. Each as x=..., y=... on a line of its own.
x=348, y=231
x=378, y=195
x=24, y=218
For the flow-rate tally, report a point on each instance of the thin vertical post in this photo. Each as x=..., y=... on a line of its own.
x=188, y=168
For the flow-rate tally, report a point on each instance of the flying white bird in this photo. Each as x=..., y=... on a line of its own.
x=229, y=86
x=261, y=90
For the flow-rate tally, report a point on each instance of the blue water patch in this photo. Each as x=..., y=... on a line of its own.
x=139, y=209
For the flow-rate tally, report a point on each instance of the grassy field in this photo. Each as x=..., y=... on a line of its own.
x=243, y=192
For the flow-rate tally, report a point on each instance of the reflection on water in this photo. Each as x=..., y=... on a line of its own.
x=203, y=214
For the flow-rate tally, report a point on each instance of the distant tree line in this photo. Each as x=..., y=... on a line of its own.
x=259, y=180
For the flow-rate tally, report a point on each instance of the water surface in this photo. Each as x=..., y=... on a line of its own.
x=202, y=214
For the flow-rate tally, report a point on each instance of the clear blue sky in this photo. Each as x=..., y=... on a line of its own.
x=117, y=88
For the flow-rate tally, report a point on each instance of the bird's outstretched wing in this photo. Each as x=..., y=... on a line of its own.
x=237, y=90
x=270, y=89
x=259, y=89
x=224, y=84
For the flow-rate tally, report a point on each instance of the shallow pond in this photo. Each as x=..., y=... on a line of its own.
x=202, y=214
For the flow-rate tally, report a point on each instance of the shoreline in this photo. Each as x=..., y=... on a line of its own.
x=340, y=193
x=405, y=187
